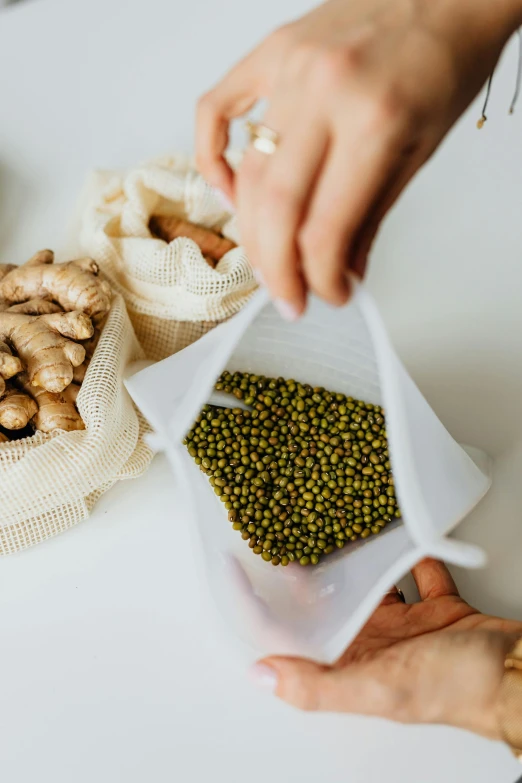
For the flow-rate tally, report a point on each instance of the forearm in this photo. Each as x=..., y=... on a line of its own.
x=478, y=19
x=502, y=17
x=513, y=14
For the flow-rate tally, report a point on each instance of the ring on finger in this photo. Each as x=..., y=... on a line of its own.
x=262, y=138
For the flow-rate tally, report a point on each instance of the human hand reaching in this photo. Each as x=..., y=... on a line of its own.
x=435, y=661
x=360, y=92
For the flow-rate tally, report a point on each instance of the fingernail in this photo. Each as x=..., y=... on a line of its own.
x=224, y=200
x=260, y=280
x=264, y=677
x=286, y=310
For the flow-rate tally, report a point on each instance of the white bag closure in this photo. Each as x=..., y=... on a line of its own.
x=315, y=611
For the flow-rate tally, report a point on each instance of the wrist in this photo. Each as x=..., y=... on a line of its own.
x=510, y=700
x=486, y=24
x=474, y=668
x=515, y=14
x=493, y=20
x=483, y=713
x=504, y=16
x=483, y=710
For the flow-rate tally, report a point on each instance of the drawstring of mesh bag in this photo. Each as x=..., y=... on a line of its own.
x=483, y=118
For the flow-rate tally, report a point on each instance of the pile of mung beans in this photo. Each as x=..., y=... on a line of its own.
x=302, y=473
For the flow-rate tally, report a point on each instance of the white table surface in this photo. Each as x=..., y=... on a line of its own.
x=109, y=668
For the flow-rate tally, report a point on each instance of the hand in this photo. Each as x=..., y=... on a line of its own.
x=436, y=661
x=361, y=92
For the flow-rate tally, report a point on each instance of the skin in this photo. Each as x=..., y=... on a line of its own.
x=361, y=92
x=435, y=661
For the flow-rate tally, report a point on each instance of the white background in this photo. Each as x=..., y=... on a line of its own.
x=109, y=668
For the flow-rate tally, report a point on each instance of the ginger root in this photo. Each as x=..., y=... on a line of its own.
x=211, y=244
x=74, y=285
x=5, y=269
x=91, y=344
x=45, y=345
x=80, y=372
x=36, y=307
x=17, y=408
x=53, y=411
x=9, y=365
x=47, y=340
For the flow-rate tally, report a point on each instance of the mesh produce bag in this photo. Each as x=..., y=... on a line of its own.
x=49, y=482
x=315, y=611
x=173, y=295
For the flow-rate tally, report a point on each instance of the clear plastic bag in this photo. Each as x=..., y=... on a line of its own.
x=315, y=611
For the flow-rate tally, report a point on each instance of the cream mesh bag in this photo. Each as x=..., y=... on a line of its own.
x=49, y=482
x=173, y=295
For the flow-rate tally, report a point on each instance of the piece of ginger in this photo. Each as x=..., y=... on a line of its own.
x=9, y=365
x=80, y=372
x=211, y=244
x=5, y=269
x=54, y=411
x=74, y=285
x=17, y=408
x=36, y=307
x=45, y=345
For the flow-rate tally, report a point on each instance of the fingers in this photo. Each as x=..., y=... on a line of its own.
x=237, y=92
x=214, y=112
x=368, y=232
x=273, y=192
x=301, y=683
x=354, y=174
x=433, y=580
x=310, y=686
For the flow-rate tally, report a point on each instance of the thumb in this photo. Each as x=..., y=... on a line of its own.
x=311, y=686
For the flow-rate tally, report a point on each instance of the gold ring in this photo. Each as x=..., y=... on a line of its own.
x=262, y=138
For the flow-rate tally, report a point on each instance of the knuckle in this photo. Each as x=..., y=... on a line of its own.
x=385, y=111
x=334, y=65
x=300, y=692
x=279, y=197
x=303, y=52
x=280, y=38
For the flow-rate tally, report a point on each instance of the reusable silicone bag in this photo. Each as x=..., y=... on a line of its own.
x=315, y=611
